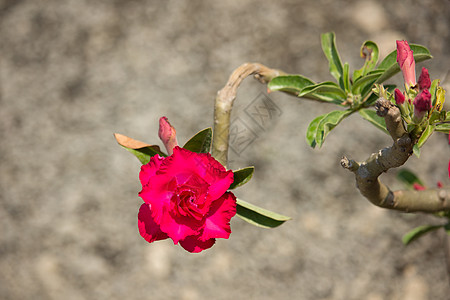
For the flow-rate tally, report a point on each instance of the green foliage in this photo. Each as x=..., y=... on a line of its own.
x=330, y=51
x=319, y=128
x=241, y=177
x=423, y=138
x=419, y=232
x=369, y=51
x=409, y=178
x=372, y=117
x=258, y=216
x=354, y=92
x=200, y=142
x=293, y=84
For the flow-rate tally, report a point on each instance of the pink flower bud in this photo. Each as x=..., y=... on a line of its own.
x=424, y=79
x=405, y=60
x=418, y=187
x=422, y=103
x=167, y=134
x=399, y=97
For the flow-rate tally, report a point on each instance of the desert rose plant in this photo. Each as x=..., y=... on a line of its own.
x=187, y=194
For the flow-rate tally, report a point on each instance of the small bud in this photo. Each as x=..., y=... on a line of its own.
x=418, y=187
x=422, y=104
x=399, y=97
x=405, y=60
x=424, y=79
x=167, y=134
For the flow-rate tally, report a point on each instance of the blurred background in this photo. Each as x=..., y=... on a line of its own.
x=73, y=72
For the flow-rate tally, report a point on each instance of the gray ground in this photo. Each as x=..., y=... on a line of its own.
x=73, y=72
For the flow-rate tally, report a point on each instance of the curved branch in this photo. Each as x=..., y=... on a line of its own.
x=224, y=103
x=368, y=171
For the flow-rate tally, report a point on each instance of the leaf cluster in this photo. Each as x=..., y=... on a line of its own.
x=352, y=91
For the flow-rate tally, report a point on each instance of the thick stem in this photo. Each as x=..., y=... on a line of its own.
x=224, y=103
x=368, y=171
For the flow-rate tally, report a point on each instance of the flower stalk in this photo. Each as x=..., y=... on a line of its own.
x=224, y=103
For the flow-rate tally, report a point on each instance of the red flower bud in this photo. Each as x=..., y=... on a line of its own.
x=167, y=134
x=405, y=60
x=399, y=97
x=422, y=104
x=424, y=79
x=418, y=187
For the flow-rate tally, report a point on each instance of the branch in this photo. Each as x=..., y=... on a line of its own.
x=368, y=171
x=224, y=103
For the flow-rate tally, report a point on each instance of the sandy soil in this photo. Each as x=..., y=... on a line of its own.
x=74, y=72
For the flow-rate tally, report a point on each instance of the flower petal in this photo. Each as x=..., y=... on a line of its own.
x=148, y=229
x=194, y=245
x=184, y=162
x=217, y=223
x=178, y=227
x=149, y=170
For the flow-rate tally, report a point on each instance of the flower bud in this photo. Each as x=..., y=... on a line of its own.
x=424, y=79
x=405, y=60
x=422, y=104
x=399, y=97
x=167, y=134
x=418, y=187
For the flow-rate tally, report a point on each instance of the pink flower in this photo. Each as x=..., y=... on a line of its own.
x=399, y=97
x=422, y=104
x=167, y=134
x=186, y=199
x=405, y=60
x=424, y=79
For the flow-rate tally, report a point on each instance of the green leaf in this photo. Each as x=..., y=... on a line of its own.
x=369, y=51
x=408, y=178
x=416, y=150
x=372, y=117
x=326, y=91
x=330, y=51
x=433, y=89
x=323, y=125
x=293, y=84
x=366, y=80
x=259, y=216
x=443, y=127
x=200, y=142
x=346, y=78
x=311, y=131
x=418, y=232
x=425, y=135
x=241, y=177
x=141, y=150
x=390, y=66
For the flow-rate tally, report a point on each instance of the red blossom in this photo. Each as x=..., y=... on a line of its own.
x=186, y=199
x=399, y=97
x=424, y=79
x=405, y=60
